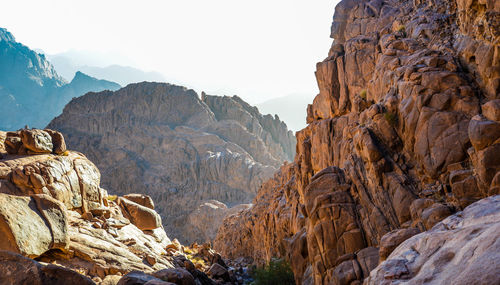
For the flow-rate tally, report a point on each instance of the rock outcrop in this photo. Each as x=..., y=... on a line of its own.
x=164, y=141
x=53, y=209
x=403, y=133
x=31, y=91
x=462, y=249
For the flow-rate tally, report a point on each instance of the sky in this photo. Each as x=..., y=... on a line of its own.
x=258, y=49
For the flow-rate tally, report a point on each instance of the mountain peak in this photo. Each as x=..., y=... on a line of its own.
x=6, y=35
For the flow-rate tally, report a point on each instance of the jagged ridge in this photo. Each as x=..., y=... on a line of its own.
x=162, y=140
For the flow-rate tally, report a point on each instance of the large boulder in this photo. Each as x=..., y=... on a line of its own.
x=18, y=270
x=141, y=278
x=143, y=217
x=177, y=276
x=141, y=199
x=37, y=141
x=32, y=225
x=462, y=249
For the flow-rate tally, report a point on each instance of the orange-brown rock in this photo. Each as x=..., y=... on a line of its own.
x=142, y=217
x=52, y=208
x=17, y=269
x=403, y=133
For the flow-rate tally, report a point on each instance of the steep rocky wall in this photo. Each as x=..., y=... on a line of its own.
x=163, y=141
x=404, y=132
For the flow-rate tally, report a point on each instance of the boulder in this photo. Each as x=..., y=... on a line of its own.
x=142, y=217
x=13, y=142
x=141, y=278
x=462, y=249
x=217, y=271
x=59, y=145
x=16, y=270
x=141, y=199
x=37, y=141
x=177, y=276
x=54, y=213
x=23, y=228
x=394, y=238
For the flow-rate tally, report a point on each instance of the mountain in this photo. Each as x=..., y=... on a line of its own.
x=60, y=227
x=66, y=65
x=31, y=91
x=291, y=109
x=397, y=174
x=199, y=159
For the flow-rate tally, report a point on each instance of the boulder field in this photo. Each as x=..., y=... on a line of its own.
x=58, y=226
x=405, y=132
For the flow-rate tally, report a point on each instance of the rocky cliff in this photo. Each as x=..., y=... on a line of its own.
x=53, y=209
x=197, y=158
x=404, y=132
x=31, y=91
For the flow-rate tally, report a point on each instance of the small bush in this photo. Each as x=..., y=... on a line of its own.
x=362, y=94
x=402, y=30
x=278, y=271
x=391, y=118
x=111, y=197
x=65, y=153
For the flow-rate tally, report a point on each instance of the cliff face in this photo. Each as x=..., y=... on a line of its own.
x=31, y=91
x=404, y=132
x=163, y=141
x=53, y=209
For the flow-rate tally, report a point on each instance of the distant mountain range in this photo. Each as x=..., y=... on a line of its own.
x=292, y=109
x=31, y=91
x=67, y=64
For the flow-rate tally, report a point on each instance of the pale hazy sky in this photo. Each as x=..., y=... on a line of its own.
x=258, y=49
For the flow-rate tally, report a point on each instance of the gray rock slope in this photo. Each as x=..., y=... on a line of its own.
x=164, y=141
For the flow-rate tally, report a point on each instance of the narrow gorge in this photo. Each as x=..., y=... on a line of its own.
x=394, y=180
x=404, y=133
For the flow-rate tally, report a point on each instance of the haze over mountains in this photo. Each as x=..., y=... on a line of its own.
x=291, y=109
x=31, y=91
x=67, y=64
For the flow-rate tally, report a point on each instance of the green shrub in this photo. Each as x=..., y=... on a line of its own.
x=278, y=271
x=402, y=30
x=362, y=94
x=391, y=118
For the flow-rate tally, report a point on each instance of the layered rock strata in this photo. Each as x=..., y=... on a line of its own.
x=53, y=209
x=404, y=132
x=164, y=141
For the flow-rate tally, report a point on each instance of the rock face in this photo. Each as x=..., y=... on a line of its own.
x=31, y=91
x=461, y=249
x=403, y=133
x=163, y=141
x=52, y=208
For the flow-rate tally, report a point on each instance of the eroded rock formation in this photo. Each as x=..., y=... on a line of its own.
x=163, y=141
x=462, y=249
x=53, y=209
x=404, y=132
